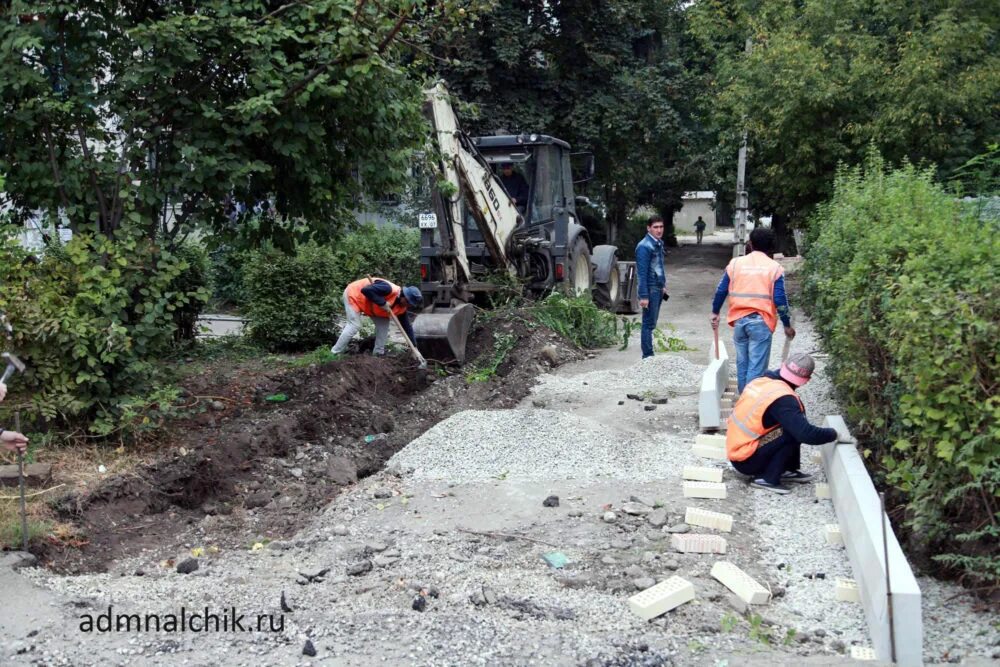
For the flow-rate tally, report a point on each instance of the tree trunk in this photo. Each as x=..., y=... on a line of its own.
x=783, y=237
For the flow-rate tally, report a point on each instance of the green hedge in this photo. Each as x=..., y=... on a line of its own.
x=291, y=301
x=902, y=280
x=89, y=317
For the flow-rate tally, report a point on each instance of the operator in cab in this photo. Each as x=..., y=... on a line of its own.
x=515, y=184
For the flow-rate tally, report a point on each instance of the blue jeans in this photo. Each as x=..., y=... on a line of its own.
x=773, y=459
x=752, y=339
x=650, y=314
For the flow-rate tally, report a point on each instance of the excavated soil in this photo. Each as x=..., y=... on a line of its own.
x=258, y=470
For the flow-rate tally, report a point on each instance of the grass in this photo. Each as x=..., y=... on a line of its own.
x=503, y=343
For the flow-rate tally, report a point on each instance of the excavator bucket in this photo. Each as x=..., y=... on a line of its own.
x=443, y=332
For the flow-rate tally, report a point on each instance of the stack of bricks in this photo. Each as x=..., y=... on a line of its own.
x=710, y=446
x=696, y=543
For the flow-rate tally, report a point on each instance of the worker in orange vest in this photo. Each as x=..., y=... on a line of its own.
x=755, y=286
x=374, y=298
x=768, y=425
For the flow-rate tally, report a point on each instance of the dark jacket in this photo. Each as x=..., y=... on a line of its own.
x=649, y=266
x=787, y=412
x=376, y=293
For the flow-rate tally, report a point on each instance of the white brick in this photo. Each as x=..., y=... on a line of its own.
x=710, y=439
x=739, y=582
x=833, y=534
x=862, y=653
x=695, y=516
x=698, y=543
x=817, y=458
x=704, y=490
x=847, y=590
x=661, y=598
x=710, y=452
x=725, y=412
x=822, y=490
x=701, y=474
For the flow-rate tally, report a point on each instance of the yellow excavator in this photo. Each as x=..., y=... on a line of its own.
x=478, y=229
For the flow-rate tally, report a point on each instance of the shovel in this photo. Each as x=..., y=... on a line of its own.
x=413, y=348
x=20, y=480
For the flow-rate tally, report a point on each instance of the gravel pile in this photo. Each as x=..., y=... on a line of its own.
x=660, y=373
x=533, y=445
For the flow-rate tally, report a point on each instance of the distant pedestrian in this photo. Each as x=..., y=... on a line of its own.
x=755, y=286
x=374, y=298
x=699, y=228
x=652, y=281
x=769, y=424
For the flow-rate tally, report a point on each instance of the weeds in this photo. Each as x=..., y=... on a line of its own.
x=503, y=343
x=321, y=355
x=578, y=319
x=666, y=342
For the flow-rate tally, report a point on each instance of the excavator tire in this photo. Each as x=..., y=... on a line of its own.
x=579, y=276
x=608, y=295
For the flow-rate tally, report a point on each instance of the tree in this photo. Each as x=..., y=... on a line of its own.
x=826, y=81
x=620, y=78
x=155, y=114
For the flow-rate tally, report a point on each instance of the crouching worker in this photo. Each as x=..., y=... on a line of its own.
x=374, y=298
x=768, y=424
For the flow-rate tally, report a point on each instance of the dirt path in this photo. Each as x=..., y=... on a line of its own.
x=458, y=525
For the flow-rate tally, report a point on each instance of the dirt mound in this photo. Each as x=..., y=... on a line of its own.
x=262, y=469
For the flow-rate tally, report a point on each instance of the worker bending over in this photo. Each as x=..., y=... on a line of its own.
x=768, y=425
x=755, y=286
x=374, y=298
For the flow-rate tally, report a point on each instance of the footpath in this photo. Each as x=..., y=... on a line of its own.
x=516, y=537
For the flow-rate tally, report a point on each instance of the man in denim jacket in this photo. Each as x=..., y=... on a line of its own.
x=652, y=280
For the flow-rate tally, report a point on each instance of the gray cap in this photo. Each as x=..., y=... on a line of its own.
x=798, y=368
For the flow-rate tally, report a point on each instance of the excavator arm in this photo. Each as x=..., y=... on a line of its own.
x=474, y=183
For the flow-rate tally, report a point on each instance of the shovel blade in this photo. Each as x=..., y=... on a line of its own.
x=442, y=333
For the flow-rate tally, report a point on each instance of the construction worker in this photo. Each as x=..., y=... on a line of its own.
x=652, y=281
x=755, y=286
x=768, y=425
x=374, y=298
x=11, y=441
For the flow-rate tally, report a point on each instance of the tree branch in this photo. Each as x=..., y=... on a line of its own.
x=56, y=175
x=92, y=174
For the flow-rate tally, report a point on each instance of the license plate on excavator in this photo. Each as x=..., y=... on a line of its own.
x=427, y=221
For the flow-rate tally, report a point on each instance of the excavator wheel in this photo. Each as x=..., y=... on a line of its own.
x=608, y=295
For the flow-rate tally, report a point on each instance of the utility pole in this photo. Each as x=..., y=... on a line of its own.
x=742, y=201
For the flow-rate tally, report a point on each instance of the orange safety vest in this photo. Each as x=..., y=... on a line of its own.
x=361, y=303
x=751, y=287
x=746, y=424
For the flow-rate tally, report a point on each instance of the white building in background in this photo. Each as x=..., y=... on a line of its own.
x=697, y=203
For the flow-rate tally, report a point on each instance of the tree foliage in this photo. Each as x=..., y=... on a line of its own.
x=157, y=113
x=826, y=80
x=619, y=78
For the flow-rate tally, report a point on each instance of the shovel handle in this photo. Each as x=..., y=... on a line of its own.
x=715, y=330
x=20, y=481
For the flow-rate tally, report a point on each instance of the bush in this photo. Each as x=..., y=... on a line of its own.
x=226, y=275
x=193, y=279
x=290, y=301
x=902, y=282
x=88, y=318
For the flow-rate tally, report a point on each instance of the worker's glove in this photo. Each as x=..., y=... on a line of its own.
x=845, y=438
x=3, y=391
x=13, y=441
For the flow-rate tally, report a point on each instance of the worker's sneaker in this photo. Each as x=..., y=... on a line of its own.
x=796, y=476
x=761, y=483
